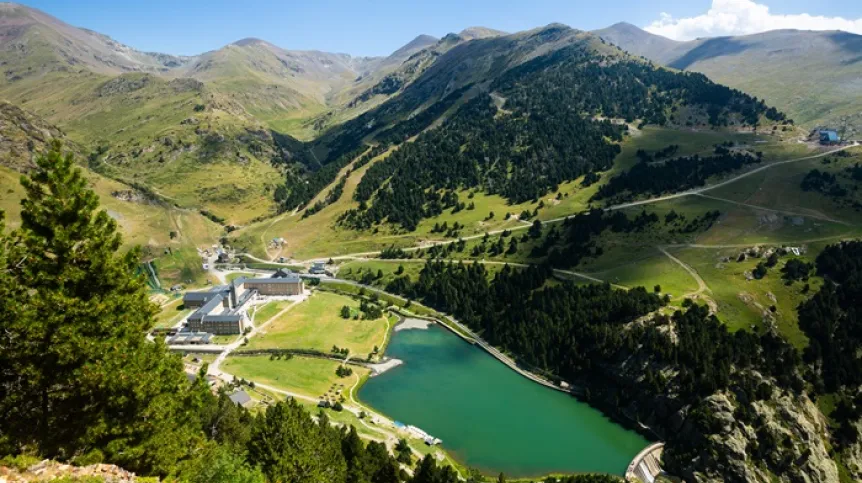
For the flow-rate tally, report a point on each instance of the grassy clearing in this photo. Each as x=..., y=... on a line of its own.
x=353, y=290
x=308, y=376
x=744, y=304
x=268, y=311
x=206, y=358
x=235, y=275
x=225, y=339
x=171, y=313
x=11, y=194
x=646, y=267
x=317, y=324
x=779, y=188
x=167, y=234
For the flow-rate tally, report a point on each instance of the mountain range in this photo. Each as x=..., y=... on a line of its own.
x=564, y=152
x=815, y=77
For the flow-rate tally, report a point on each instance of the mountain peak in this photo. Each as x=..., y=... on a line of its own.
x=415, y=45
x=471, y=33
x=250, y=41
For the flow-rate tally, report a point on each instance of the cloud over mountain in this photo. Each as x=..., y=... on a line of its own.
x=740, y=17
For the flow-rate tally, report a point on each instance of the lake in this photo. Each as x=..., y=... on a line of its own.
x=490, y=417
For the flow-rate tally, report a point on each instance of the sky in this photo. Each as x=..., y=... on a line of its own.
x=378, y=27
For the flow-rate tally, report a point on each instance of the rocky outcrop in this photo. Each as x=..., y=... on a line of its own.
x=124, y=84
x=769, y=435
x=784, y=439
x=48, y=470
x=24, y=135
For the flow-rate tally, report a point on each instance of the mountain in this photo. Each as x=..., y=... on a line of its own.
x=471, y=33
x=499, y=99
x=813, y=76
x=420, y=42
x=639, y=42
x=32, y=42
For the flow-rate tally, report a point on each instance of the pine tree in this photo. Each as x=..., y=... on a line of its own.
x=289, y=446
x=78, y=378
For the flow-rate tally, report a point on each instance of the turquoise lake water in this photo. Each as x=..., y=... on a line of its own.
x=490, y=417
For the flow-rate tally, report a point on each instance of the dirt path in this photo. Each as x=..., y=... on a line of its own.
x=748, y=245
x=772, y=210
x=726, y=182
x=702, y=287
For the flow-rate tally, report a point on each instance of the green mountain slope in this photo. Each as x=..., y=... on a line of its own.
x=168, y=234
x=815, y=77
x=33, y=43
x=205, y=131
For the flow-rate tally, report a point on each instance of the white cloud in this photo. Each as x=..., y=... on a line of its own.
x=740, y=17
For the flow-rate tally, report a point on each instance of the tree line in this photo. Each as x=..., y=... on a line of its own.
x=674, y=175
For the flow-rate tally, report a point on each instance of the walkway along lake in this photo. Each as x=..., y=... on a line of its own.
x=490, y=417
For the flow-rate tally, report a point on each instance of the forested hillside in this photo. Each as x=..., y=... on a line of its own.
x=701, y=388
x=544, y=122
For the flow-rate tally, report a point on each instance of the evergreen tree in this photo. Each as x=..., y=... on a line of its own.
x=289, y=446
x=78, y=378
x=403, y=451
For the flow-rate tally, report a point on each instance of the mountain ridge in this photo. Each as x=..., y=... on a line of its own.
x=812, y=75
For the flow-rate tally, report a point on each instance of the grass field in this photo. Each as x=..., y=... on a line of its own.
x=268, y=311
x=743, y=303
x=317, y=324
x=148, y=225
x=645, y=267
x=235, y=275
x=171, y=313
x=308, y=376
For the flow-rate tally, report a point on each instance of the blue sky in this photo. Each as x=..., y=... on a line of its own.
x=365, y=27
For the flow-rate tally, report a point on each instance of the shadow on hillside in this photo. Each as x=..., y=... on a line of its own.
x=850, y=43
x=709, y=49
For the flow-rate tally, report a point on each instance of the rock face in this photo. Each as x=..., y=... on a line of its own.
x=22, y=136
x=51, y=470
x=727, y=436
x=784, y=432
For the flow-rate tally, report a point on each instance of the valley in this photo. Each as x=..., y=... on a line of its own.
x=550, y=249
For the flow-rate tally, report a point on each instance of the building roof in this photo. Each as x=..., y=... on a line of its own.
x=223, y=318
x=292, y=278
x=187, y=337
x=240, y=398
x=282, y=273
x=198, y=296
x=207, y=307
x=829, y=134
